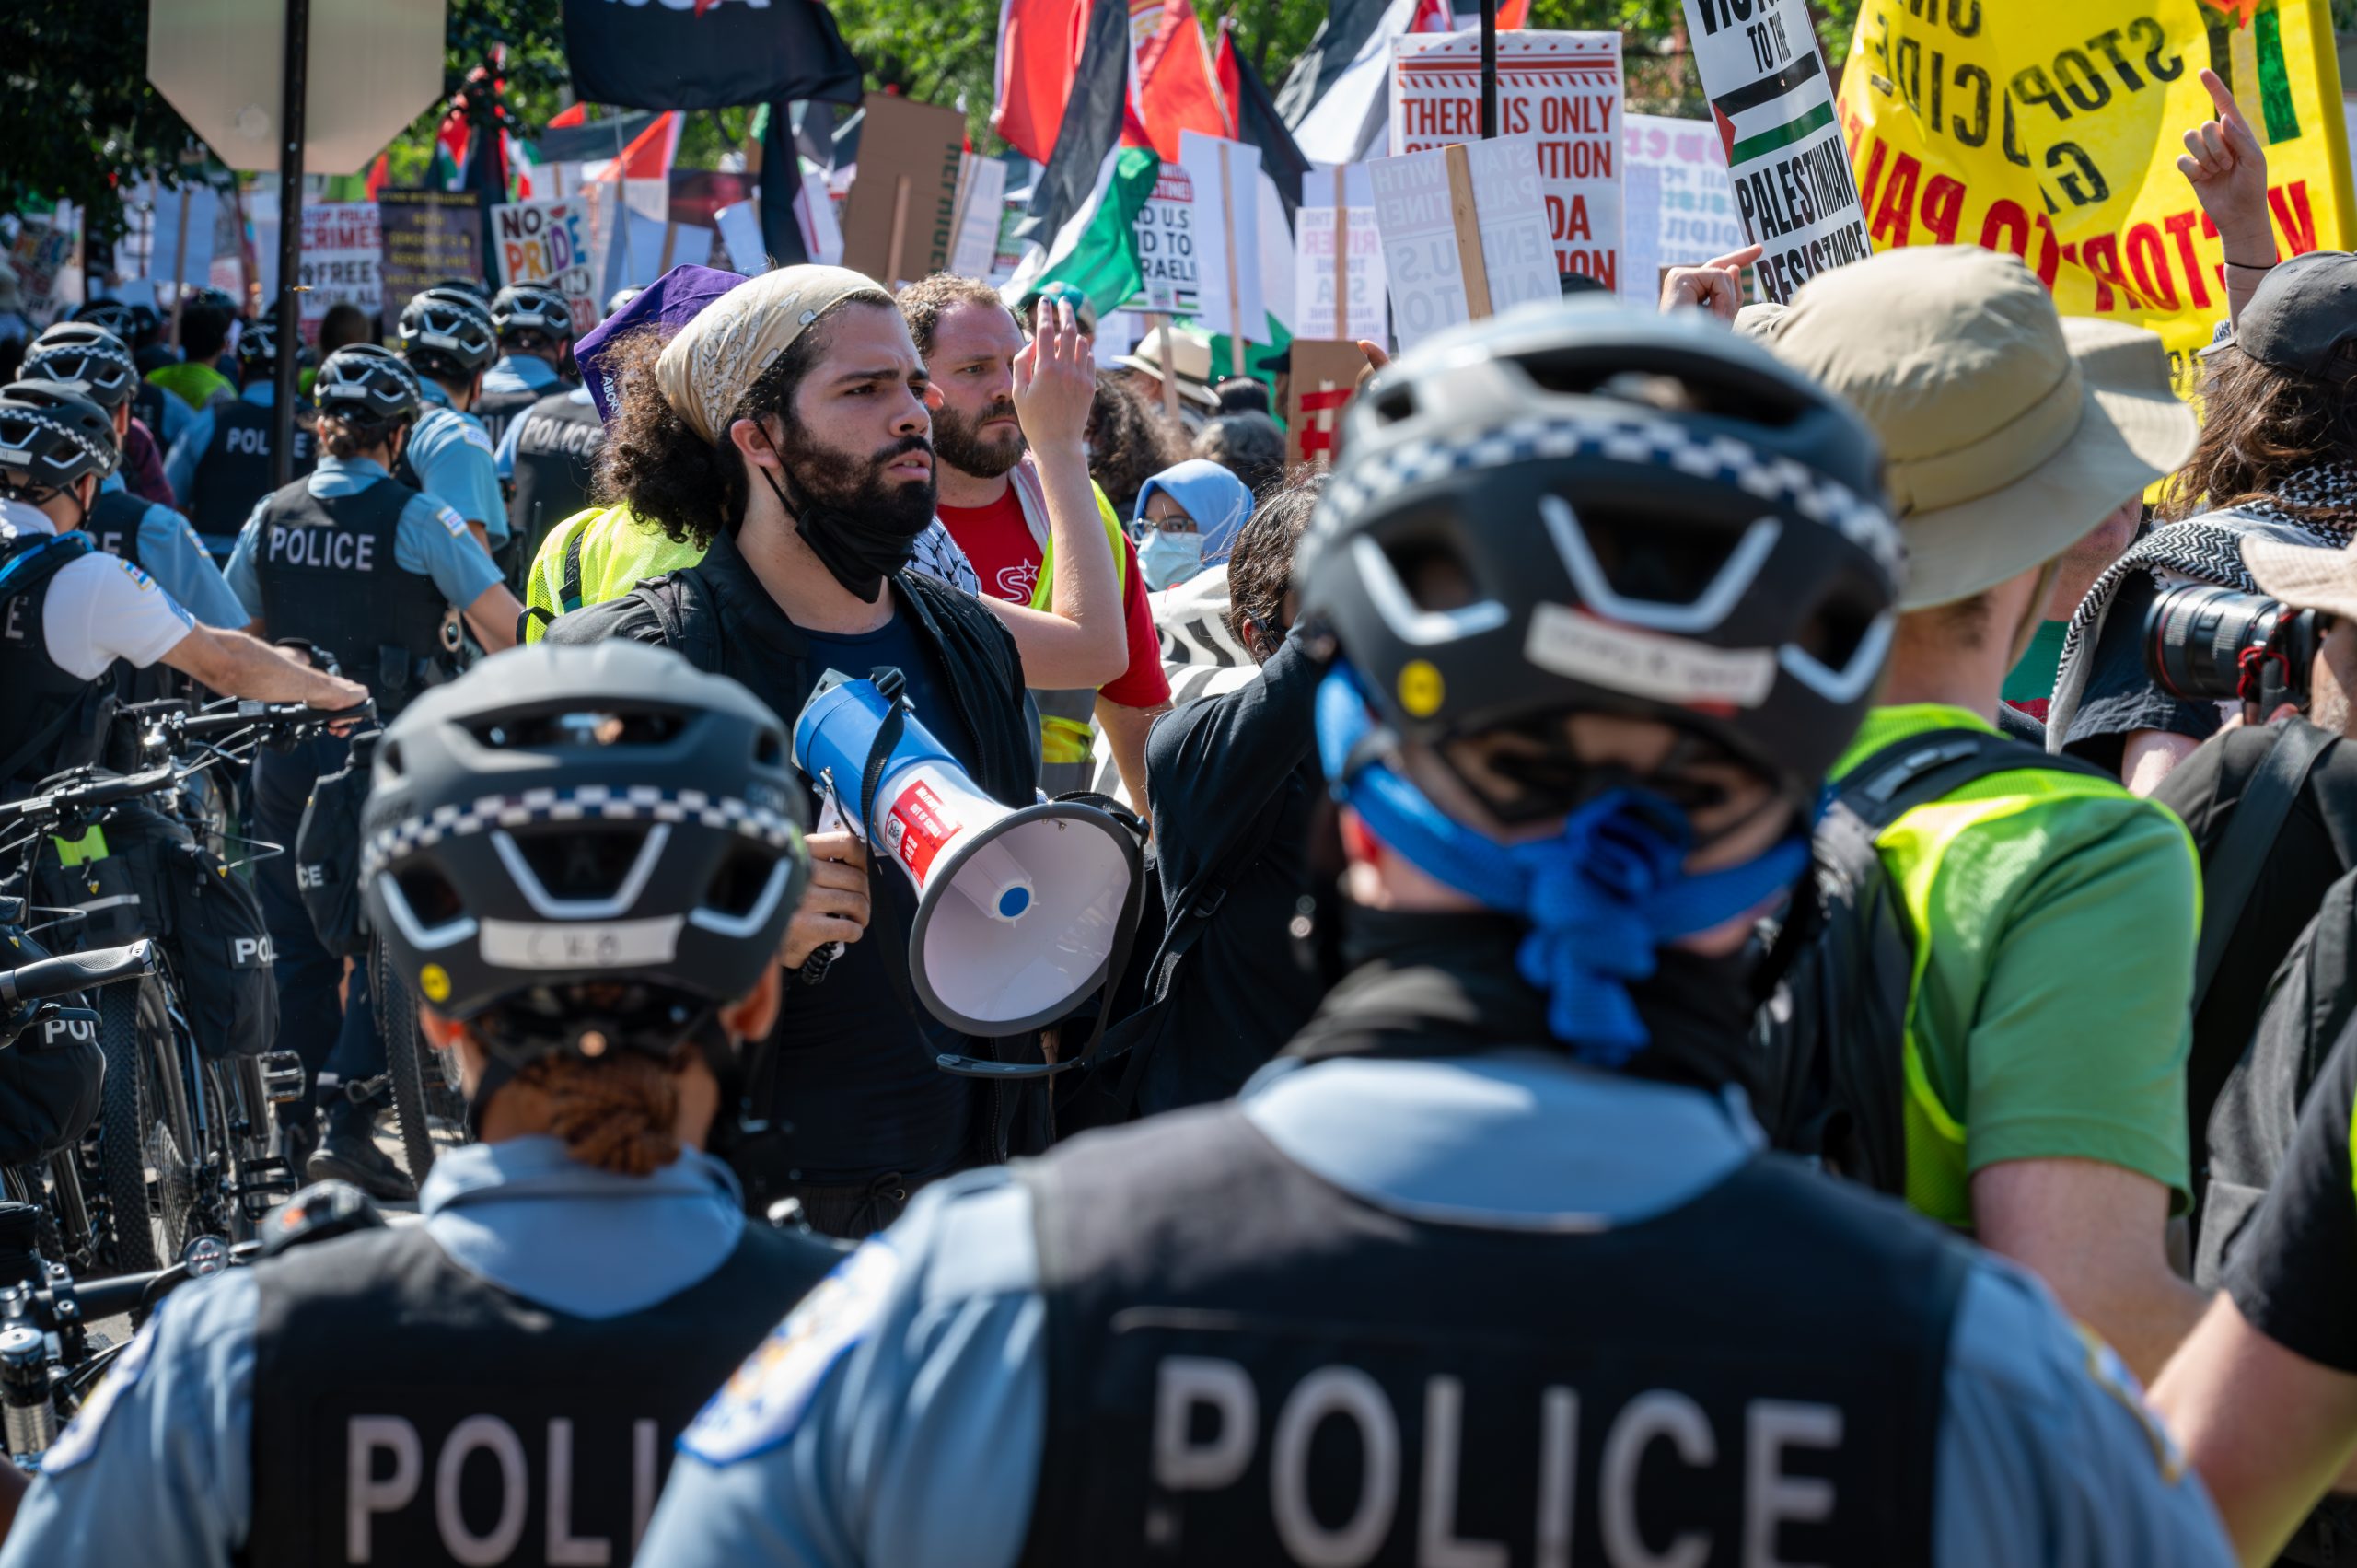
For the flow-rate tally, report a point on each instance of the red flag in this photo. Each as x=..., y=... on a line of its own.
x=1176, y=88
x=1434, y=15
x=1038, y=51
x=1513, y=15
x=579, y=113
x=379, y=172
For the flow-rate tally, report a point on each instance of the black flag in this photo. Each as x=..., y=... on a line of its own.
x=711, y=54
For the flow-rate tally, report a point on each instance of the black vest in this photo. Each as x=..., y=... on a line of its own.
x=147, y=408
x=113, y=524
x=234, y=472
x=327, y=574
x=495, y=409
x=1248, y=1365
x=48, y=709
x=377, y=1349
x=556, y=458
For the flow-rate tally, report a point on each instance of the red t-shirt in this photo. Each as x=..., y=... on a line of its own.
x=998, y=541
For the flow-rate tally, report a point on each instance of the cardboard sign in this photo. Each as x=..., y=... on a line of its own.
x=900, y=222
x=822, y=236
x=982, y=205
x=1226, y=180
x=2075, y=172
x=1166, y=235
x=1562, y=88
x=1774, y=108
x=343, y=251
x=1430, y=216
x=550, y=242
x=1678, y=204
x=1341, y=297
x=429, y=236
x=169, y=234
x=1324, y=376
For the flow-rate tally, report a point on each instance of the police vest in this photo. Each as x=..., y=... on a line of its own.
x=113, y=524
x=328, y=575
x=494, y=410
x=556, y=460
x=234, y=471
x=405, y=1411
x=49, y=718
x=148, y=407
x=1248, y=1365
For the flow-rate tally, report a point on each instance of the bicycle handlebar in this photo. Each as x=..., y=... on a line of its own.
x=86, y=797
x=127, y=1293
x=251, y=712
x=63, y=976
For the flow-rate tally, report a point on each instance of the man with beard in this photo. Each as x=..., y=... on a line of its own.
x=785, y=429
x=994, y=506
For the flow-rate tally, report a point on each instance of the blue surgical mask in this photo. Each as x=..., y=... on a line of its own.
x=1170, y=557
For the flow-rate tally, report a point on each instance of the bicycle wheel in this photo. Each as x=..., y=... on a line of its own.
x=173, y=1151
x=122, y=1137
x=404, y=1064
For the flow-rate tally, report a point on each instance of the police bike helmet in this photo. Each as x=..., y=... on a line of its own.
x=52, y=437
x=369, y=386
x=258, y=345
x=473, y=288
x=531, y=314
x=582, y=849
x=447, y=334
x=109, y=315
x=86, y=356
x=1577, y=509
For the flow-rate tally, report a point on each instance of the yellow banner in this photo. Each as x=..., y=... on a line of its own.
x=2051, y=129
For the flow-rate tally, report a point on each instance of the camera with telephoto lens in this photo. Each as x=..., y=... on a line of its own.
x=2210, y=643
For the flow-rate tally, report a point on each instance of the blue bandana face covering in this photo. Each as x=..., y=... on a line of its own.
x=1602, y=896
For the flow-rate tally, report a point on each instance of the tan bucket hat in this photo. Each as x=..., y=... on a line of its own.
x=2303, y=577
x=1190, y=356
x=2010, y=432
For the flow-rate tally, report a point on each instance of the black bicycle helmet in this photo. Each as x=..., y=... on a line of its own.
x=473, y=288
x=446, y=332
x=367, y=386
x=50, y=436
x=87, y=357
x=571, y=841
x=1578, y=507
x=258, y=345
x=533, y=314
x=113, y=315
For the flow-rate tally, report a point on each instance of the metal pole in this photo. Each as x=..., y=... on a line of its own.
x=292, y=88
x=1489, y=69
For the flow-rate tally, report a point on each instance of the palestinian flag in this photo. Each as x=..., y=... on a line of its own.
x=1337, y=98
x=1258, y=125
x=1076, y=219
x=1095, y=248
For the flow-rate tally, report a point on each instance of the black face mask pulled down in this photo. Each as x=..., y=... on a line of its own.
x=867, y=540
x=1447, y=984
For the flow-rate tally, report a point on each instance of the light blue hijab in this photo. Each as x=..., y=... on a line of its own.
x=1216, y=499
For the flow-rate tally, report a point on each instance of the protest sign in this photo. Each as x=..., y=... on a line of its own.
x=1225, y=177
x=643, y=250
x=982, y=203
x=550, y=242
x=1337, y=272
x=1562, y=88
x=1323, y=376
x=343, y=251
x=1166, y=248
x=169, y=234
x=822, y=235
x=429, y=236
x=1432, y=216
x=2058, y=143
x=740, y=231
x=1774, y=108
x=43, y=256
x=1677, y=202
x=900, y=222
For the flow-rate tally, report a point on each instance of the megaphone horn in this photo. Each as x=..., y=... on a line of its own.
x=1021, y=912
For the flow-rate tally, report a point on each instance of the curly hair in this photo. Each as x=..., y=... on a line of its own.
x=344, y=438
x=1130, y=441
x=1250, y=445
x=616, y=1113
x=655, y=463
x=1260, y=563
x=924, y=302
x=2261, y=425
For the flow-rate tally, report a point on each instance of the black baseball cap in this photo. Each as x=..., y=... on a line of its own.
x=2303, y=316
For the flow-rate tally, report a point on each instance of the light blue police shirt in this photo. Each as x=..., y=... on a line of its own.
x=897, y=1417
x=431, y=539
x=520, y=373
x=505, y=460
x=451, y=452
x=176, y=414
x=170, y=552
x=188, y=450
x=158, y=1469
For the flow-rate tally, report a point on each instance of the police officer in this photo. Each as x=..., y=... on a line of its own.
x=503, y=1382
x=363, y=567
x=534, y=323
x=71, y=612
x=153, y=538
x=1488, y=1267
x=549, y=459
x=447, y=336
x=138, y=326
x=221, y=464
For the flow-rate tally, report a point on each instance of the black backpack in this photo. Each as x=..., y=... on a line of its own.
x=326, y=851
x=1832, y=1036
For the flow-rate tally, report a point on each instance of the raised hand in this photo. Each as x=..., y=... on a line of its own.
x=2227, y=168
x=1716, y=285
x=1055, y=382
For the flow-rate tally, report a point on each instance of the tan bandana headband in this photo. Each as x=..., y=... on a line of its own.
x=706, y=370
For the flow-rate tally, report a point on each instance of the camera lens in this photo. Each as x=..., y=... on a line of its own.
x=2195, y=638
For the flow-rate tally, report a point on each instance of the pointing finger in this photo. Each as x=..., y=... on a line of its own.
x=1736, y=260
x=2222, y=97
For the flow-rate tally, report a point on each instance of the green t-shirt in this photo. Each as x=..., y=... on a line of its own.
x=2031, y=681
x=2055, y=917
x=194, y=384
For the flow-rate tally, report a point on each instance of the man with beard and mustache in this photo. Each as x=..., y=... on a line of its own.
x=785, y=429
x=993, y=505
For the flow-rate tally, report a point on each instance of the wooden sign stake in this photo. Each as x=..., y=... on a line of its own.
x=179, y=264
x=1234, y=303
x=1468, y=219
x=670, y=239
x=1169, y=376
x=899, y=232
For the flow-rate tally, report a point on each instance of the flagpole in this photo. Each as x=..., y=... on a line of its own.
x=1489, y=69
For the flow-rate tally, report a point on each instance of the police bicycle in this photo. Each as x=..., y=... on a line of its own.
x=425, y=1082
x=188, y=1147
